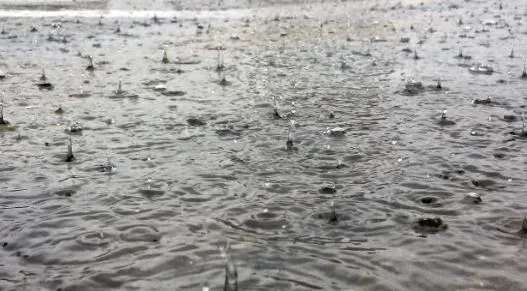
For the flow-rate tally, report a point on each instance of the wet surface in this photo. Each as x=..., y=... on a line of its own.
x=370, y=188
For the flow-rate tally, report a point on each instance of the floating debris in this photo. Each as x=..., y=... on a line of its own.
x=481, y=69
x=2, y=75
x=331, y=115
x=524, y=73
x=59, y=110
x=444, y=121
x=118, y=29
x=511, y=55
x=69, y=156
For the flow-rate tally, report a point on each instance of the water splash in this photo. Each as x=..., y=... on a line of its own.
x=43, y=76
x=289, y=145
x=223, y=80
x=523, y=123
x=333, y=217
x=343, y=63
x=165, y=56
x=149, y=183
x=90, y=66
x=219, y=61
x=275, y=108
x=69, y=156
x=416, y=56
x=231, y=272
x=119, y=88
x=2, y=120
x=75, y=128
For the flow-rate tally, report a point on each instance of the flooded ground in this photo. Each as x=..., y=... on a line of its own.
x=376, y=189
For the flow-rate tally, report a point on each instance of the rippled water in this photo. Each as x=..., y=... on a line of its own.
x=199, y=163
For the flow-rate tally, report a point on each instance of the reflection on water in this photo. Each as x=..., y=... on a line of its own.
x=305, y=148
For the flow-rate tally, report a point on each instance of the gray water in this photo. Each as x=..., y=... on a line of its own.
x=203, y=163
